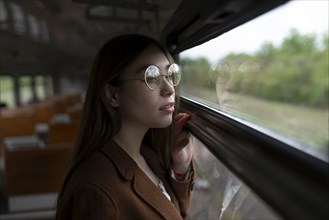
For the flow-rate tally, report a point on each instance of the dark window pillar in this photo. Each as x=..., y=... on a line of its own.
x=33, y=88
x=16, y=90
x=56, y=85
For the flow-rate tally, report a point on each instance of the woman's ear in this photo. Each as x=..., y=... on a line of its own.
x=112, y=96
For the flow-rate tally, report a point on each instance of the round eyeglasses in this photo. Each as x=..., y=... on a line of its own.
x=153, y=77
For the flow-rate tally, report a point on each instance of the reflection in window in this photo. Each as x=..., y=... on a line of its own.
x=218, y=194
x=34, y=27
x=274, y=76
x=3, y=16
x=18, y=17
x=44, y=31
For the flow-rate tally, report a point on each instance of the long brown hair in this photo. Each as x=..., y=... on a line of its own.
x=100, y=121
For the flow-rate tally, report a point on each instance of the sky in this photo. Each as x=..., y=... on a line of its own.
x=307, y=16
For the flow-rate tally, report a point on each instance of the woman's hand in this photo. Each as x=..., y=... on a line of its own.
x=182, y=150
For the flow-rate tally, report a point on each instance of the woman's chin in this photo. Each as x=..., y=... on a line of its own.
x=163, y=124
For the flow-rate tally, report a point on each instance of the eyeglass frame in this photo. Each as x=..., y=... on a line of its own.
x=161, y=80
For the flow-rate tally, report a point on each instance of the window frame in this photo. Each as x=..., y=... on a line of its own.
x=292, y=182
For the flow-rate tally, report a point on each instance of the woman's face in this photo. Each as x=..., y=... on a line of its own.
x=139, y=105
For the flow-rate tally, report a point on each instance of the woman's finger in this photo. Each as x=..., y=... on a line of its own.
x=180, y=120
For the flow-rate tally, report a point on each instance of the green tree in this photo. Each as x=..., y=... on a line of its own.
x=296, y=71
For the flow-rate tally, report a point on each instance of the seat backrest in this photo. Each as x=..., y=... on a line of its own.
x=62, y=133
x=44, y=111
x=35, y=170
x=17, y=122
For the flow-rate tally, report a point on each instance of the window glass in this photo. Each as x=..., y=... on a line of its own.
x=44, y=31
x=34, y=26
x=40, y=87
x=3, y=16
x=18, y=17
x=49, y=86
x=271, y=73
x=219, y=194
x=7, y=91
x=25, y=89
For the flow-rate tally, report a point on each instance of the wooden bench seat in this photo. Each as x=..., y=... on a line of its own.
x=44, y=111
x=17, y=122
x=62, y=133
x=35, y=170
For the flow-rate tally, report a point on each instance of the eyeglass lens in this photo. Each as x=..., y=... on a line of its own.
x=153, y=76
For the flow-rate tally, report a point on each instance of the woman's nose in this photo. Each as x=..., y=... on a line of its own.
x=166, y=88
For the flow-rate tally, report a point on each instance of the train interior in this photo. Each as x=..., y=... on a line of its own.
x=46, y=53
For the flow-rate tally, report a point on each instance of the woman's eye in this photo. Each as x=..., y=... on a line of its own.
x=152, y=79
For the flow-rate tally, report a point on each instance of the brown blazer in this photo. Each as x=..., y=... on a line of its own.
x=110, y=185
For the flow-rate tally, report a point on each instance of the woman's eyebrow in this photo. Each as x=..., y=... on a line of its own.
x=143, y=67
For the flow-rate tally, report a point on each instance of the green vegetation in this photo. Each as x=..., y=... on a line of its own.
x=6, y=93
x=284, y=88
x=294, y=72
x=306, y=125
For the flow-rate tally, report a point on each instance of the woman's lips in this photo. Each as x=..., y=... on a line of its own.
x=168, y=108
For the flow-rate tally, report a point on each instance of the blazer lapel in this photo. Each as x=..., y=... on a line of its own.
x=141, y=184
x=157, y=168
x=152, y=195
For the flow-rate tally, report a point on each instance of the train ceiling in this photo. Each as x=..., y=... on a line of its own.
x=62, y=36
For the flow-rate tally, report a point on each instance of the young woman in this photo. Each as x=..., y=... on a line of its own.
x=133, y=157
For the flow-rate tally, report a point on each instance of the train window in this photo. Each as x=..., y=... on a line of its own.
x=6, y=91
x=270, y=73
x=25, y=84
x=31, y=89
x=40, y=87
x=219, y=194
